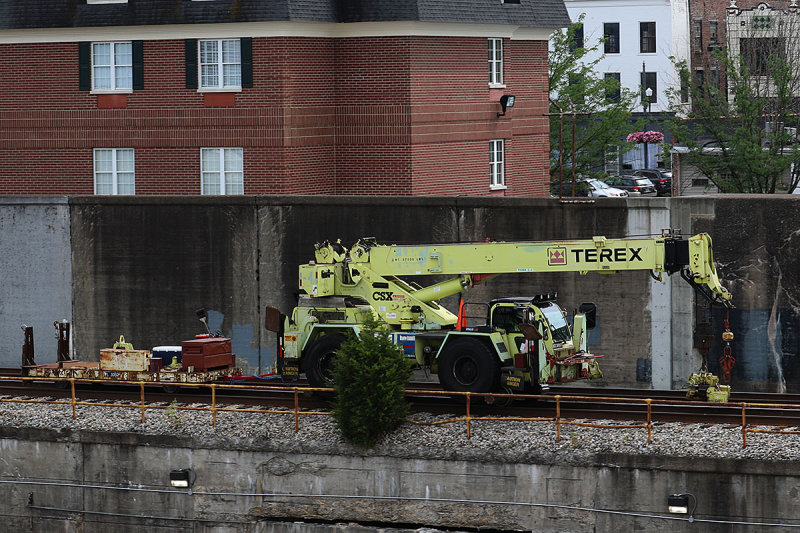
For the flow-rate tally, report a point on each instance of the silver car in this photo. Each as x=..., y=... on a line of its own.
x=598, y=189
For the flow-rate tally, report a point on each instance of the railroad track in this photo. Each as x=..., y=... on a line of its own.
x=572, y=402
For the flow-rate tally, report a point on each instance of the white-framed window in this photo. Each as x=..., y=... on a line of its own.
x=221, y=170
x=495, y=61
x=497, y=172
x=106, y=1
x=114, y=171
x=220, y=64
x=647, y=37
x=112, y=67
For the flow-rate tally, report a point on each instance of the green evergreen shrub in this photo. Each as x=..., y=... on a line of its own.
x=370, y=374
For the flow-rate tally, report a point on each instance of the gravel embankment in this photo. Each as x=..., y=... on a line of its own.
x=523, y=441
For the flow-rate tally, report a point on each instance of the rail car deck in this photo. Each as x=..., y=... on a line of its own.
x=87, y=370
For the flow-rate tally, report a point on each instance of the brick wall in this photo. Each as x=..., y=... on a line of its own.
x=391, y=115
x=715, y=10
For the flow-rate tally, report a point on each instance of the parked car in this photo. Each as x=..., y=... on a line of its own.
x=597, y=189
x=662, y=179
x=635, y=185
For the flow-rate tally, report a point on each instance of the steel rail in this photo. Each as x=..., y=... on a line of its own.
x=214, y=408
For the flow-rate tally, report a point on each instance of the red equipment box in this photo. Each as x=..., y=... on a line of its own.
x=207, y=353
x=206, y=346
x=201, y=363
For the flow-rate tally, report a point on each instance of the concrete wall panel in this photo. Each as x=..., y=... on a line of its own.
x=35, y=273
x=143, y=267
x=120, y=482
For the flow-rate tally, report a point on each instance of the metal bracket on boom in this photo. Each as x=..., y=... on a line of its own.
x=704, y=290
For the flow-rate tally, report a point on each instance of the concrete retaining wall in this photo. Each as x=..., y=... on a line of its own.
x=62, y=481
x=35, y=273
x=141, y=266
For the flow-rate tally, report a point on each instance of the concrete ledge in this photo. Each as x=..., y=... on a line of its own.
x=120, y=481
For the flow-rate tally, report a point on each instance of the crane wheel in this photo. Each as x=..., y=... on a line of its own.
x=468, y=365
x=320, y=358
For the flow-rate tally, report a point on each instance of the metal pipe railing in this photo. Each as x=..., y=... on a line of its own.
x=559, y=421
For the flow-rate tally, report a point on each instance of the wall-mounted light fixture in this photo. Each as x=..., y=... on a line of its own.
x=183, y=478
x=679, y=504
x=506, y=101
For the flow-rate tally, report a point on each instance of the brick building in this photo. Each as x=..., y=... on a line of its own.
x=275, y=96
x=708, y=21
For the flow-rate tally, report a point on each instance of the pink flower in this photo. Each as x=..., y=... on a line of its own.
x=649, y=137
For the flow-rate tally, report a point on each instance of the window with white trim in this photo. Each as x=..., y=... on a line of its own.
x=647, y=37
x=220, y=64
x=106, y=1
x=222, y=170
x=114, y=171
x=495, y=61
x=497, y=174
x=112, y=66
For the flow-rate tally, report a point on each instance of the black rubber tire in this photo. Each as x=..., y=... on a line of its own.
x=319, y=359
x=468, y=365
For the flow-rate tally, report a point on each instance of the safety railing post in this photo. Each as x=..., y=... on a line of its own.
x=558, y=418
x=213, y=405
x=469, y=428
x=744, y=426
x=141, y=390
x=74, y=407
x=649, y=421
x=296, y=411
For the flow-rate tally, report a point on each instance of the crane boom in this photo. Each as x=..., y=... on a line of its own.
x=670, y=253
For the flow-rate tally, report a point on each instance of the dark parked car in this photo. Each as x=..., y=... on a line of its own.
x=635, y=185
x=662, y=179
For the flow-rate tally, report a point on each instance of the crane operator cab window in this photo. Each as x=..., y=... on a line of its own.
x=513, y=319
x=507, y=317
x=559, y=328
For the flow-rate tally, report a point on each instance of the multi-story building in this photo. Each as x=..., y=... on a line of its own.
x=640, y=40
x=275, y=96
x=746, y=30
x=710, y=23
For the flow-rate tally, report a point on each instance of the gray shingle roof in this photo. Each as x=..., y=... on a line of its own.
x=19, y=14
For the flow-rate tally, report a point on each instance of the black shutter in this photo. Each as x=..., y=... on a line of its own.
x=84, y=66
x=138, y=66
x=247, y=61
x=191, y=63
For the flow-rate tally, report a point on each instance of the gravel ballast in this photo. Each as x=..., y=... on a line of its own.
x=514, y=440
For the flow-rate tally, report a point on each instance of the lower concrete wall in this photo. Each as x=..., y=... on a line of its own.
x=62, y=481
x=141, y=266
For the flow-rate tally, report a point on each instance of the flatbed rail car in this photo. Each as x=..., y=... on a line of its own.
x=204, y=359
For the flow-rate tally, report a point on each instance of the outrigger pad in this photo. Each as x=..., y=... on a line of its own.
x=530, y=332
x=272, y=319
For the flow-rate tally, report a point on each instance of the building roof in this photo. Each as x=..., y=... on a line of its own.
x=24, y=14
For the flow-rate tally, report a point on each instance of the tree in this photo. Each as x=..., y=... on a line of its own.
x=602, y=107
x=370, y=373
x=743, y=138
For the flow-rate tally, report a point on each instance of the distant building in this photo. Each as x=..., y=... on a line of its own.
x=190, y=97
x=752, y=31
x=641, y=39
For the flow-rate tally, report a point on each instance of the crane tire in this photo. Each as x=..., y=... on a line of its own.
x=319, y=360
x=468, y=365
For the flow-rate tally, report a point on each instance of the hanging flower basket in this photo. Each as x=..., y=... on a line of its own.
x=649, y=137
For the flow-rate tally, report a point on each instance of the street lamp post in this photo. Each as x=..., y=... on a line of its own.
x=648, y=92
